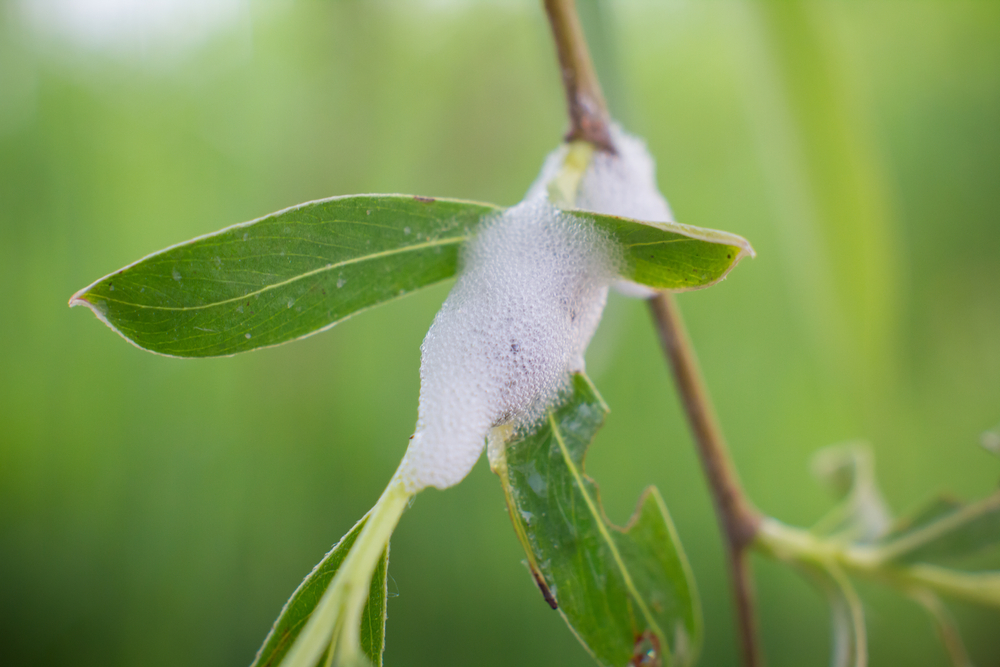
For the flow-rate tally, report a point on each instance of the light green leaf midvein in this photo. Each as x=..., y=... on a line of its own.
x=454, y=240
x=662, y=242
x=599, y=519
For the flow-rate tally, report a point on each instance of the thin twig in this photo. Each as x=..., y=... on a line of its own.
x=588, y=114
x=737, y=516
x=589, y=122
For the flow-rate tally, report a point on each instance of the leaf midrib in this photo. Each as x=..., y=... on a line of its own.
x=591, y=506
x=329, y=267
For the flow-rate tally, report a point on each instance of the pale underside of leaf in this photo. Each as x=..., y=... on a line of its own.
x=628, y=594
x=300, y=605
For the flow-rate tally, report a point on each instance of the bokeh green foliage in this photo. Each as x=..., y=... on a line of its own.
x=156, y=511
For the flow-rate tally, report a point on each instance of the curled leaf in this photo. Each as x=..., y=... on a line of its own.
x=849, y=470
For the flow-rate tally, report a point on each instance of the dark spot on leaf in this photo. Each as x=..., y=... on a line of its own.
x=646, y=652
x=729, y=256
x=546, y=593
x=324, y=292
x=423, y=199
x=652, y=256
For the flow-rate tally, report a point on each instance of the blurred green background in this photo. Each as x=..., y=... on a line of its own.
x=155, y=511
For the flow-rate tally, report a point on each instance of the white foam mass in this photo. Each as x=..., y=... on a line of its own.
x=517, y=322
x=622, y=184
x=512, y=330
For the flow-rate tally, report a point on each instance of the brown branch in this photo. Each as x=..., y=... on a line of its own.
x=588, y=114
x=738, y=518
x=588, y=117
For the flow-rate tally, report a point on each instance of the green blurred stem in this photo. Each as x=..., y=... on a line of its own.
x=588, y=113
x=946, y=627
x=796, y=545
x=334, y=627
x=739, y=519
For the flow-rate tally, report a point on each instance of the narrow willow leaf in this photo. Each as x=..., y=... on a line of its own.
x=302, y=270
x=284, y=276
x=944, y=532
x=849, y=470
x=672, y=256
x=628, y=594
x=297, y=610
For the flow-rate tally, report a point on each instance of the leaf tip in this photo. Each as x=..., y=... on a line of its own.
x=742, y=246
x=78, y=299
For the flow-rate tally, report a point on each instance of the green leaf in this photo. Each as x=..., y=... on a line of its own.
x=284, y=276
x=302, y=270
x=937, y=508
x=628, y=594
x=849, y=470
x=945, y=531
x=672, y=256
x=299, y=607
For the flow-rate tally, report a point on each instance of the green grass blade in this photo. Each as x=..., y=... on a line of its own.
x=296, y=612
x=626, y=593
x=283, y=276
